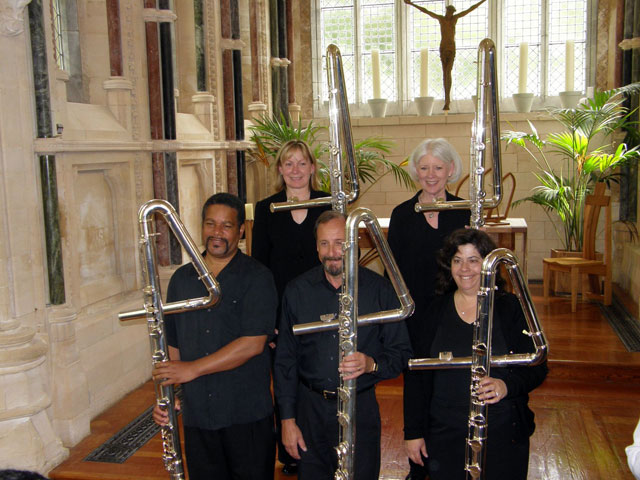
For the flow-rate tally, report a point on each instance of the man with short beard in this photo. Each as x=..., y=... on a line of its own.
x=306, y=370
x=219, y=356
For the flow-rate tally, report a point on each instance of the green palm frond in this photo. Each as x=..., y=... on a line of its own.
x=584, y=143
x=270, y=133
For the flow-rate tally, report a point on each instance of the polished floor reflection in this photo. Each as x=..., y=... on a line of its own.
x=585, y=412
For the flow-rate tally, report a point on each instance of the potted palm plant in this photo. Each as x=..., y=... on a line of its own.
x=269, y=134
x=587, y=155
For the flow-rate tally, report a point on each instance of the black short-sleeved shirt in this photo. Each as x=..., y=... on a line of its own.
x=287, y=248
x=247, y=308
x=314, y=357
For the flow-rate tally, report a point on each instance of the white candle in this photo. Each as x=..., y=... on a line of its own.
x=375, y=72
x=424, y=72
x=568, y=68
x=522, y=72
x=248, y=211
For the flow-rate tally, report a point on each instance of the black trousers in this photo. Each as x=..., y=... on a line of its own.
x=506, y=457
x=238, y=452
x=316, y=418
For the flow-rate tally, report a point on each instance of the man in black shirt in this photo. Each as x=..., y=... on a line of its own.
x=306, y=368
x=219, y=355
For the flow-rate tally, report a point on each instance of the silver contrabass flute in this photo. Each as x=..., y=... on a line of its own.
x=481, y=358
x=342, y=165
x=486, y=108
x=154, y=311
x=348, y=321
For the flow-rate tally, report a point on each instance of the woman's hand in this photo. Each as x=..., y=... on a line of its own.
x=416, y=449
x=492, y=390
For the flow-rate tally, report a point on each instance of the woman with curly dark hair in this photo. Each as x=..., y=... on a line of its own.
x=436, y=402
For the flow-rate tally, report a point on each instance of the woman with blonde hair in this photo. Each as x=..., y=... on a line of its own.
x=284, y=241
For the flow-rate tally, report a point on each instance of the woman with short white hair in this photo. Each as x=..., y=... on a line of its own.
x=415, y=238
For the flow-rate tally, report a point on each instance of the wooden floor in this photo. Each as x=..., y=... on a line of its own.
x=585, y=411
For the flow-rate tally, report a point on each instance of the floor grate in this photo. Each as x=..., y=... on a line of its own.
x=128, y=440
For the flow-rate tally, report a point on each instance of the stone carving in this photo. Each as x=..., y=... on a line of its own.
x=12, y=17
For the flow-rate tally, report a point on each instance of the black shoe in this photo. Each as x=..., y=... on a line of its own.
x=290, y=469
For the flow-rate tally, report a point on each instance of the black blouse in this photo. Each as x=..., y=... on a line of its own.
x=423, y=387
x=415, y=245
x=287, y=248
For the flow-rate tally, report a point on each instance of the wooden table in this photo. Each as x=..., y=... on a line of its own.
x=503, y=233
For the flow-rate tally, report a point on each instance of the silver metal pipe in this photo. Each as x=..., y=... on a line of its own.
x=487, y=111
x=347, y=315
x=154, y=312
x=481, y=359
x=342, y=164
x=382, y=246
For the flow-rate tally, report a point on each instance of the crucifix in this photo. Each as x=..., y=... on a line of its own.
x=447, y=42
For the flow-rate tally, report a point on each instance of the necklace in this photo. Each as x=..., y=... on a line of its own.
x=458, y=302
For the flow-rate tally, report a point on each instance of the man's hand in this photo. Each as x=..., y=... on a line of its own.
x=354, y=365
x=160, y=415
x=174, y=372
x=416, y=449
x=292, y=438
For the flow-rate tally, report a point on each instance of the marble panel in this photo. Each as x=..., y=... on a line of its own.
x=96, y=241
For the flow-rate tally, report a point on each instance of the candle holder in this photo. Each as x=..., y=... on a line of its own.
x=378, y=107
x=523, y=102
x=570, y=99
x=424, y=106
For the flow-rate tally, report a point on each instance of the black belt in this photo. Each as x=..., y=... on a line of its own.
x=327, y=394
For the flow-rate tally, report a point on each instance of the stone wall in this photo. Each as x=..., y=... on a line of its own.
x=61, y=365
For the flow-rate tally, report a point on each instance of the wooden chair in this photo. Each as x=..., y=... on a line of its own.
x=587, y=264
x=499, y=214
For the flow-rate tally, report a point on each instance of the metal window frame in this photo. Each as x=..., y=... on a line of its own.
x=404, y=104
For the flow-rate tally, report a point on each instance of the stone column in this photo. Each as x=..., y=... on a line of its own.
x=203, y=108
x=233, y=104
x=294, y=107
x=119, y=100
x=27, y=441
x=115, y=41
x=27, y=438
x=47, y=162
x=186, y=54
x=162, y=118
x=259, y=59
x=69, y=389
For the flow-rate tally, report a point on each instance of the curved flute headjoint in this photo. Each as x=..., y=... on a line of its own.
x=487, y=112
x=342, y=165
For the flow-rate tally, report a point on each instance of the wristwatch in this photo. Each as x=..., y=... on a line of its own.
x=374, y=369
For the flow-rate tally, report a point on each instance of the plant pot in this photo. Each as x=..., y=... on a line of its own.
x=570, y=99
x=523, y=102
x=378, y=107
x=424, y=106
